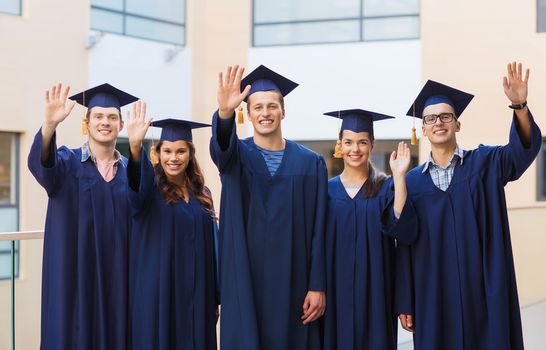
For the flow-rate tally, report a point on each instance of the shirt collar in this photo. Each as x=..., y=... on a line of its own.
x=86, y=154
x=458, y=154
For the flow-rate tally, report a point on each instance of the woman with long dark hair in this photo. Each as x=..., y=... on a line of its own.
x=172, y=277
x=366, y=211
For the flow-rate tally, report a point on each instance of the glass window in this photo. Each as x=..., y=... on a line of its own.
x=160, y=20
x=12, y=7
x=9, y=199
x=306, y=33
x=389, y=28
x=541, y=16
x=541, y=172
x=300, y=10
x=289, y=22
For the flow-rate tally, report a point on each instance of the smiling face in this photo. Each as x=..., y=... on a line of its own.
x=104, y=124
x=174, y=158
x=441, y=133
x=265, y=111
x=356, y=148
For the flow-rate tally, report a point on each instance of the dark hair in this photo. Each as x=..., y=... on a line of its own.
x=281, y=100
x=193, y=178
x=376, y=178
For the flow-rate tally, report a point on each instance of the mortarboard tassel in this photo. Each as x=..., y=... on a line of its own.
x=153, y=155
x=240, y=115
x=85, y=127
x=413, y=137
x=337, y=150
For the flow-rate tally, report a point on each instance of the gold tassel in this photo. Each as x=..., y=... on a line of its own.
x=153, y=155
x=337, y=150
x=85, y=127
x=240, y=115
x=413, y=137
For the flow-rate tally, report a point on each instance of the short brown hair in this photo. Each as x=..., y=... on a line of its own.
x=281, y=100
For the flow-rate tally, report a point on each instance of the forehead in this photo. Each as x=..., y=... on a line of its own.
x=104, y=110
x=438, y=108
x=351, y=135
x=264, y=97
x=174, y=144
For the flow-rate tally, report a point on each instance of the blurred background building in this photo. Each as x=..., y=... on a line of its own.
x=371, y=54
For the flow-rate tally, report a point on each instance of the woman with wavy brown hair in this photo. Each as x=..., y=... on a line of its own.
x=172, y=277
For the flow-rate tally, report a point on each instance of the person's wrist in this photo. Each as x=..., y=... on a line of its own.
x=225, y=113
x=518, y=105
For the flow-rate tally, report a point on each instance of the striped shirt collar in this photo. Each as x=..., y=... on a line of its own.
x=86, y=154
x=458, y=154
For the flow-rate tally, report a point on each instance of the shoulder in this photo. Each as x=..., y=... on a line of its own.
x=304, y=153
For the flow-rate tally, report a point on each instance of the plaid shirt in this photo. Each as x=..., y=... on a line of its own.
x=86, y=154
x=442, y=176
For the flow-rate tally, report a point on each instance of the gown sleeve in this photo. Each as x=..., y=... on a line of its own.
x=141, y=179
x=223, y=144
x=514, y=158
x=403, y=286
x=405, y=228
x=49, y=175
x=317, y=280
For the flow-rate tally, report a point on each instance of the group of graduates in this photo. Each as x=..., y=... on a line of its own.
x=133, y=257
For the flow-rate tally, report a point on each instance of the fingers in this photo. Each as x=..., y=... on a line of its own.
x=526, y=75
x=65, y=93
x=312, y=316
x=393, y=156
x=53, y=91
x=143, y=115
x=505, y=84
x=228, y=75
x=220, y=80
x=46, y=96
x=245, y=92
x=407, y=322
x=58, y=91
x=306, y=304
x=519, y=71
x=71, y=106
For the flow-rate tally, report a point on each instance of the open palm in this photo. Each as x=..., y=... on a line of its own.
x=137, y=125
x=56, y=107
x=229, y=90
x=515, y=85
x=400, y=159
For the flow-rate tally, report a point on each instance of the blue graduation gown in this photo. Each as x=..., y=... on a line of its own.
x=360, y=265
x=271, y=244
x=172, y=268
x=458, y=278
x=84, y=271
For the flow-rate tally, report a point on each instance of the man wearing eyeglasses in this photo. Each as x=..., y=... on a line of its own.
x=456, y=286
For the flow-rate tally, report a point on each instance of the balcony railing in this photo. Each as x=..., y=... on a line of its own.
x=13, y=237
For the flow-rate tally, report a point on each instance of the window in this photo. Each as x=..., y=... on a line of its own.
x=541, y=16
x=159, y=20
x=541, y=172
x=12, y=7
x=292, y=22
x=122, y=145
x=9, y=199
x=380, y=155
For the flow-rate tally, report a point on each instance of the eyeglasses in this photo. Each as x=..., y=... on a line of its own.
x=444, y=118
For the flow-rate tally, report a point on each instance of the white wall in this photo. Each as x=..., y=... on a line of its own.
x=139, y=67
x=381, y=76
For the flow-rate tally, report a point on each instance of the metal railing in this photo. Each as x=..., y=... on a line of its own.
x=13, y=237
